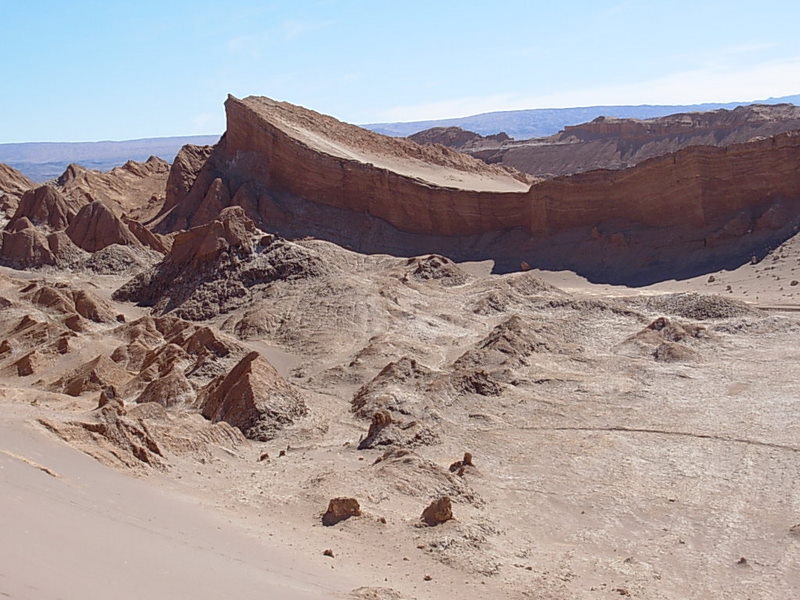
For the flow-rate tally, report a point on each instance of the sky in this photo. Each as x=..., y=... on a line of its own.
x=107, y=70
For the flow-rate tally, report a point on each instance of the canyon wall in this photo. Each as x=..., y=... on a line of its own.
x=298, y=173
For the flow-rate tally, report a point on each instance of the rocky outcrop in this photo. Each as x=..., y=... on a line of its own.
x=340, y=509
x=135, y=188
x=293, y=170
x=24, y=246
x=96, y=226
x=64, y=300
x=217, y=267
x=112, y=438
x=185, y=168
x=13, y=185
x=172, y=389
x=439, y=511
x=269, y=143
x=231, y=231
x=96, y=375
x=252, y=397
x=12, y=182
x=45, y=206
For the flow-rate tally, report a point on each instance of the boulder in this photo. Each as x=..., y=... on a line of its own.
x=340, y=509
x=439, y=511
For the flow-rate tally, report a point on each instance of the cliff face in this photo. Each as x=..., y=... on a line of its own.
x=273, y=148
x=284, y=165
x=694, y=187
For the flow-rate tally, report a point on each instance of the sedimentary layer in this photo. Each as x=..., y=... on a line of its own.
x=277, y=148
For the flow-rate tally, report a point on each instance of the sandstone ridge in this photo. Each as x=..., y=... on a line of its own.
x=375, y=193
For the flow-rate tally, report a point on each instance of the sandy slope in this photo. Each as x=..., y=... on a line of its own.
x=82, y=530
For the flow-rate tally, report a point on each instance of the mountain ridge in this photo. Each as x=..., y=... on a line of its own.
x=548, y=121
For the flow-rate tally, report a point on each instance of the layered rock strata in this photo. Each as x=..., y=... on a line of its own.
x=273, y=147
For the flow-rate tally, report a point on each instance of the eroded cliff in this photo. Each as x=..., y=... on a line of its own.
x=298, y=172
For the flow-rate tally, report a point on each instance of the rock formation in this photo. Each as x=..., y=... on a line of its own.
x=45, y=206
x=24, y=246
x=96, y=226
x=184, y=171
x=439, y=511
x=135, y=189
x=216, y=267
x=13, y=185
x=12, y=182
x=457, y=138
x=254, y=398
x=340, y=509
x=389, y=195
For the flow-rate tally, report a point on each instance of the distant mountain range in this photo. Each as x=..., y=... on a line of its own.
x=42, y=161
x=541, y=122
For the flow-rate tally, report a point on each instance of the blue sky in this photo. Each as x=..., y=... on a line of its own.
x=87, y=70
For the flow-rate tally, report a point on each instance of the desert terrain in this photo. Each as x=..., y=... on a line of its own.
x=196, y=358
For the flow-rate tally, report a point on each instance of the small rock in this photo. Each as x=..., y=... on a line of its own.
x=793, y=282
x=328, y=552
x=427, y=578
x=438, y=512
x=711, y=279
x=459, y=465
x=340, y=509
x=263, y=457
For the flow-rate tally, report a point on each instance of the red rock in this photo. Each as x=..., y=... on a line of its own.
x=232, y=229
x=612, y=143
x=47, y=207
x=28, y=364
x=340, y=509
x=135, y=188
x=439, y=511
x=183, y=173
x=24, y=246
x=252, y=397
x=93, y=376
x=12, y=182
x=170, y=390
x=96, y=226
x=665, y=191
